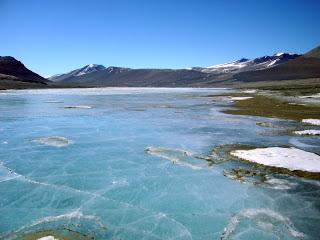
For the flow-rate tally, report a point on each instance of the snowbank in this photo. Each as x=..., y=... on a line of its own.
x=289, y=158
x=308, y=132
x=311, y=96
x=240, y=98
x=311, y=121
x=48, y=238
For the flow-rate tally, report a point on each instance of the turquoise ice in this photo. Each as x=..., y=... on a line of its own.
x=79, y=159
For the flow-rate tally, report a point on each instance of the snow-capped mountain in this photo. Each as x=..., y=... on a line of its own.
x=78, y=72
x=249, y=65
x=89, y=69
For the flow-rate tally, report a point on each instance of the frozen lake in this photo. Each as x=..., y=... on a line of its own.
x=123, y=163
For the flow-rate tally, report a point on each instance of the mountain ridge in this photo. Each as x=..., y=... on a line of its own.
x=277, y=67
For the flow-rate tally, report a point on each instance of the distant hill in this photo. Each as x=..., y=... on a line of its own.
x=126, y=77
x=12, y=67
x=78, y=72
x=118, y=76
x=314, y=53
x=245, y=65
x=280, y=67
x=303, y=67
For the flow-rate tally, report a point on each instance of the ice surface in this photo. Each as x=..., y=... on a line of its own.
x=105, y=185
x=269, y=220
x=55, y=141
x=79, y=106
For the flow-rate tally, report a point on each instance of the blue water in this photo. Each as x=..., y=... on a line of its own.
x=103, y=184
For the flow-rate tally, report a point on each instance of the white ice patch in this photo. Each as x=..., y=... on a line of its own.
x=176, y=156
x=240, y=98
x=48, y=238
x=54, y=141
x=76, y=215
x=272, y=63
x=79, y=106
x=297, y=104
x=289, y=158
x=249, y=91
x=308, y=132
x=312, y=121
x=266, y=220
x=311, y=96
x=53, y=101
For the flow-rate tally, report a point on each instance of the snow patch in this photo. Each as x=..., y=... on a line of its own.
x=79, y=106
x=311, y=96
x=289, y=158
x=48, y=238
x=176, y=156
x=312, y=121
x=272, y=63
x=240, y=98
x=308, y=132
x=249, y=91
x=279, y=54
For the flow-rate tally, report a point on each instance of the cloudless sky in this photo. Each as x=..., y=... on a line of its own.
x=56, y=36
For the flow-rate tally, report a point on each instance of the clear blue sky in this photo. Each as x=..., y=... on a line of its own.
x=55, y=36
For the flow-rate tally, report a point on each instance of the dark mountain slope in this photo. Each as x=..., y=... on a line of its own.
x=300, y=68
x=314, y=53
x=11, y=66
x=124, y=77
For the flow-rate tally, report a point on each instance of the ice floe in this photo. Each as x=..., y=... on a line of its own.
x=75, y=215
x=289, y=158
x=79, y=106
x=48, y=238
x=249, y=91
x=177, y=156
x=53, y=101
x=54, y=141
x=266, y=220
x=308, y=132
x=240, y=98
x=297, y=104
x=312, y=121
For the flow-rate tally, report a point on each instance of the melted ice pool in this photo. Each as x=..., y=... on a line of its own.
x=135, y=166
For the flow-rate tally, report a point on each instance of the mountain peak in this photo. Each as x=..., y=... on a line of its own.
x=89, y=69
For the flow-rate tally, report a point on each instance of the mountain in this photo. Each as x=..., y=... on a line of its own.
x=91, y=76
x=78, y=72
x=302, y=67
x=314, y=53
x=244, y=64
x=126, y=77
x=12, y=67
x=278, y=67
x=14, y=75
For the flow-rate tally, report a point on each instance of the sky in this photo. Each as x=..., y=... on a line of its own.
x=56, y=36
